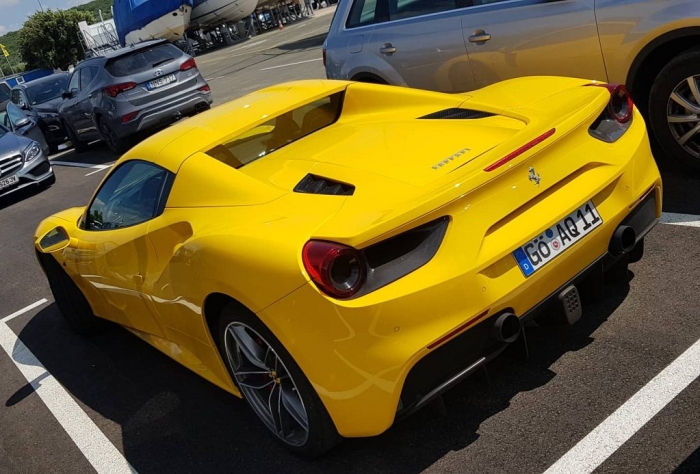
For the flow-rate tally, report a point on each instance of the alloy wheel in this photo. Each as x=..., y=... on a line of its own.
x=266, y=384
x=683, y=114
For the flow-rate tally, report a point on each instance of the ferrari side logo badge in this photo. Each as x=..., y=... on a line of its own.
x=534, y=176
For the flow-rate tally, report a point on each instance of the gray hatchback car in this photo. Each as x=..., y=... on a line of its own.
x=652, y=46
x=136, y=89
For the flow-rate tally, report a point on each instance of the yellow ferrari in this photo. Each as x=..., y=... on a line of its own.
x=340, y=254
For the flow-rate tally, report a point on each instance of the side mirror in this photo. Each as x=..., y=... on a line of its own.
x=23, y=122
x=54, y=240
x=65, y=95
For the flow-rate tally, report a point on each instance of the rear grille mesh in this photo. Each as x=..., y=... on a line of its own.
x=312, y=184
x=456, y=114
x=10, y=165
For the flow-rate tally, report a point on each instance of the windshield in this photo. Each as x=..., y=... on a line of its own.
x=4, y=92
x=46, y=90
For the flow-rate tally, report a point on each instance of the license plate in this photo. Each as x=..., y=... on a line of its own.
x=161, y=81
x=557, y=239
x=6, y=182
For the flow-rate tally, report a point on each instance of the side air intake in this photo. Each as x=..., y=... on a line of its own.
x=312, y=184
x=456, y=114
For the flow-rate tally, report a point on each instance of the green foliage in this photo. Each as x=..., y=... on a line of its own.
x=12, y=42
x=95, y=6
x=50, y=39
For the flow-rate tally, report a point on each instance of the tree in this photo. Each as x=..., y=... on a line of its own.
x=50, y=39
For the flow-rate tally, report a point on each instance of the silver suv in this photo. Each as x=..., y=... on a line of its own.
x=135, y=89
x=652, y=46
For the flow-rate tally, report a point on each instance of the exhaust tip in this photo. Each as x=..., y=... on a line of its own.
x=623, y=240
x=506, y=328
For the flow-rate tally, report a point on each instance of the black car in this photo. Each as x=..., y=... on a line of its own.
x=40, y=98
x=4, y=95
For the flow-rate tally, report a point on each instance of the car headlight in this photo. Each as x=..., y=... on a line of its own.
x=31, y=152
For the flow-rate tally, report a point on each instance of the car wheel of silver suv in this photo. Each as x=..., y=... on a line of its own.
x=674, y=108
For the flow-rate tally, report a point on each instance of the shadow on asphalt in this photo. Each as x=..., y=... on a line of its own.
x=681, y=187
x=691, y=465
x=173, y=421
x=305, y=43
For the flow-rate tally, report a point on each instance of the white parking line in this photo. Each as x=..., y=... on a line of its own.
x=619, y=427
x=94, y=445
x=73, y=164
x=24, y=310
x=99, y=170
x=688, y=220
x=292, y=64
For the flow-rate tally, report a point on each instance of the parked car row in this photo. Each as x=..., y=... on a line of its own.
x=459, y=45
x=116, y=98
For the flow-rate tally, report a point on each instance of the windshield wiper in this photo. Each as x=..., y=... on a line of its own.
x=158, y=63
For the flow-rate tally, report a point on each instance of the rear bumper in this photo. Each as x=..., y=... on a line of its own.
x=462, y=356
x=163, y=114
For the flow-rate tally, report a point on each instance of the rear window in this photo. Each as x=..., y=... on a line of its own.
x=279, y=132
x=142, y=60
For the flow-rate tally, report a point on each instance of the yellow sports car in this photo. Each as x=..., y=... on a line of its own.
x=339, y=254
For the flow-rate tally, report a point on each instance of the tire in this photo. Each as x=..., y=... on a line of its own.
x=116, y=144
x=238, y=324
x=70, y=300
x=676, y=78
x=79, y=146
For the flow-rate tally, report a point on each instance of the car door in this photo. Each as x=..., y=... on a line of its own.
x=421, y=45
x=68, y=109
x=112, y=254
x=513, y=38
x=87, y=130
x=24, y=124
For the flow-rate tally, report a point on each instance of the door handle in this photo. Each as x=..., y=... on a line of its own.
x=388, y=48
x=479, y=36
x=138, y=279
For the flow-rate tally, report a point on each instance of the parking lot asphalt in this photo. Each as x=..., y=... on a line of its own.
x=518, y=417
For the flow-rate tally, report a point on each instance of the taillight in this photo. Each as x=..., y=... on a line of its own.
x=189, y=64
x=338, y=270
x=621, y=106
x=129, y=117
x=205, y=89
x=616, y=118
x=324, y=57
x=116, y=89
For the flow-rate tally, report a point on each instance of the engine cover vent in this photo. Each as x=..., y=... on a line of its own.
x=456, y=114
x=312, y=184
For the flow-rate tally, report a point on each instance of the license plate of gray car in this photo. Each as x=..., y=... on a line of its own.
x=161, y=81
x=6, y=182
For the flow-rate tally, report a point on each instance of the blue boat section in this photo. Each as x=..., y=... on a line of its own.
x=523, y=262
x=132, y=15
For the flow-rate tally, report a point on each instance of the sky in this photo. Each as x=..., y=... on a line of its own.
x=14, y=12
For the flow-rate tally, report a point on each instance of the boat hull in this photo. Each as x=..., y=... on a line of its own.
x=211, y=12
x=170, y=26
